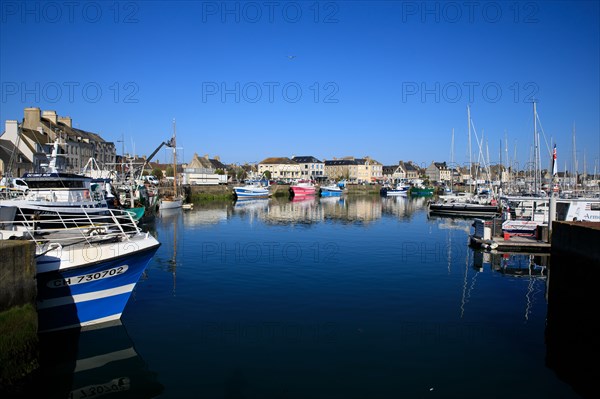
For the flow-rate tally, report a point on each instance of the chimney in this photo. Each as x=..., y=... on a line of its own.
x=11, y=130
x=66, y=120
x=218, y=158
x=50, y=115
x=32, y=118
x=205, y=156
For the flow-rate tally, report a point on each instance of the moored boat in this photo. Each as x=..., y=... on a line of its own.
x=331, y=190
x=253, y=189
x=303, y=188
x=84, y=274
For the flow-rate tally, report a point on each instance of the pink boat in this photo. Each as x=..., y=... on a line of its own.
x=303, y=188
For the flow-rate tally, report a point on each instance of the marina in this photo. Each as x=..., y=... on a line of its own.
x=263, y=296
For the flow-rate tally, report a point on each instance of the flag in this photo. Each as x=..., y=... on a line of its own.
x=554, y=163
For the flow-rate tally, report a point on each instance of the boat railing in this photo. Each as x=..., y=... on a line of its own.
x=85, y=228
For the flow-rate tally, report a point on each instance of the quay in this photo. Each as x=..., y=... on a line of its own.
x=18, y=315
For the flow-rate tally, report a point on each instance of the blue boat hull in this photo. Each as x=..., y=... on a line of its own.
x=89, y=294
x=326, y=193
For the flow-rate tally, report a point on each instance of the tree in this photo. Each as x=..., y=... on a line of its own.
x=219, y=172
x=268, y=174
x=169, y=171
x=157, y=173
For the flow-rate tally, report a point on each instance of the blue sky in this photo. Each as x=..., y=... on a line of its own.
x=249, y=80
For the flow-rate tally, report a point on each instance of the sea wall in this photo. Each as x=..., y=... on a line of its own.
x=18, y=316
x=577, y=238
x=571, y=335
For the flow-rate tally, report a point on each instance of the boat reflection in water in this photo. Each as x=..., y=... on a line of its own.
x=252, y=208
x=91, y=362
x=298, y=210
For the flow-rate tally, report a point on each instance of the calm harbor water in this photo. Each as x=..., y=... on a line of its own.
x=363, y=297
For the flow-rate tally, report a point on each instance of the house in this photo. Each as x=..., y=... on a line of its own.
x=410, y=170
x=204, y=171
x=358, y=170
x=39, y=130
x=12, y=161
x=369, y=170
x=280, y=168
x=438, y=172
x=342, y=169
x=310, y=167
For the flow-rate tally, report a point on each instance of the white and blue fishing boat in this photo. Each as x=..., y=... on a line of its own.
x=399, y=189
x=84, y=274
x=252, y=189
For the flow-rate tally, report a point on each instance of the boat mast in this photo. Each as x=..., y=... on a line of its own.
x=535, y=152
x=575, y=166
x=470, y=160
x=452, y=162
x=174, y=160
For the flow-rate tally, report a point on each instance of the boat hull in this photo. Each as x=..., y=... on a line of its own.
x=89, y=284
x=393, y=192
x=170, y=203
x=330, y=191
x=467, y=210
x=243, y=192
x=303, y=191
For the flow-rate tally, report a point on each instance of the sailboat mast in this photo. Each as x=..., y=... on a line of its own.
x=452, y=163
x=174, y=160
x=575, y=166
x=470, y=160
x=535, y=152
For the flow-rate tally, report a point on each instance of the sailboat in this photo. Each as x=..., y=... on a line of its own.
x=176, y=199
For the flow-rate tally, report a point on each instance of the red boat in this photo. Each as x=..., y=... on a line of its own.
x=303, y=188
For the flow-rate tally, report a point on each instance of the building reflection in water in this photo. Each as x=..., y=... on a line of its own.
x=403, y=207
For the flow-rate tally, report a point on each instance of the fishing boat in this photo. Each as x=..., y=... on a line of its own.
x=252, y=189
x=398, y=189
x=420, y=191
x=331, y=190
x=174, y=200
x=303, y=188
x=84, y=274
x=52, y=191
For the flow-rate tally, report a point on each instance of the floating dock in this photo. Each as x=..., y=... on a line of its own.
x=512, y=244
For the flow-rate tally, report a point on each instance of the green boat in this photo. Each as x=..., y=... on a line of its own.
x=421, y=191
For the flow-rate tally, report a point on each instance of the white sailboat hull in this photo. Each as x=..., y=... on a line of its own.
x=166, y=203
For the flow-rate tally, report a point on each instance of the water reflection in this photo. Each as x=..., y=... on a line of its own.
x=403, y=207
x=92, y=362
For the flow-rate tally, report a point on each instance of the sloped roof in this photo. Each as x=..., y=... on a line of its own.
x=71, y=132
x=278, y=161
x=306, y=159
x=340, y=162
x=217, y=164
